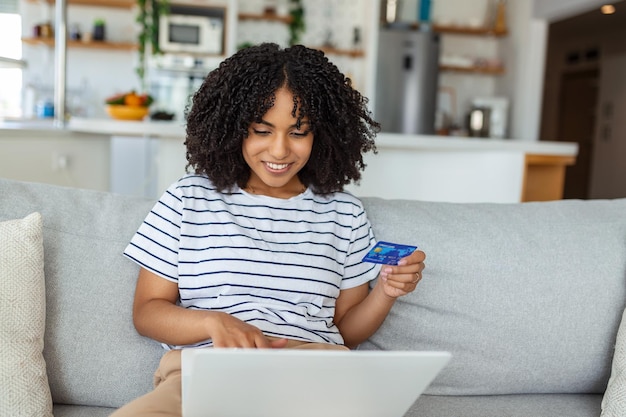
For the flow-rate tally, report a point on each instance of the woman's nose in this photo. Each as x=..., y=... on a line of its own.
x=279, y=147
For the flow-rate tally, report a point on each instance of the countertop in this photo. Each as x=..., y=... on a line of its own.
x=176, y=130
x=452, y=143
x=108, y=127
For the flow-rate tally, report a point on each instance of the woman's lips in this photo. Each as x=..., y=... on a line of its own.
x=276, y=167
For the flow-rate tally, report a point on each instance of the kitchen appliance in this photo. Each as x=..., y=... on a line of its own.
x=407, y=80
x=192, y=29
x=498, y=114
x=174, y=78
x=478, y=122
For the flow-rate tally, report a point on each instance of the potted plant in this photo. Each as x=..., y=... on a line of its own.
x=296, y=26
x=99, y=32
x=148, y=15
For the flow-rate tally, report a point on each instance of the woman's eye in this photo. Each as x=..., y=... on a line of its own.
x=260, y=132
x=300, y=134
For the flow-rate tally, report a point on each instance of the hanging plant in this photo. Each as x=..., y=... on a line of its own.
x=148, y=15
x=296, y=26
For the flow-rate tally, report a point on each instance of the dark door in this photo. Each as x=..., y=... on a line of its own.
x=577, y=118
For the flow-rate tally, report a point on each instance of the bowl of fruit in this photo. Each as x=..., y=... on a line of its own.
x=128, y=106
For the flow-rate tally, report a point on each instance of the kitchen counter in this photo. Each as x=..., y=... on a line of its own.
x=108, y=127
x=453, y=143
x=435, y=168
x=387, y=140
x=29, y=125
x=176, y=129
x=39, y=151
x=113, y=127
x=459, y=169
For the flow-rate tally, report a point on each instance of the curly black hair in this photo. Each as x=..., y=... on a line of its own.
x=241, y=90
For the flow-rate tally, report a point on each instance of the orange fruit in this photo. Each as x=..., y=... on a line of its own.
x=132, y=99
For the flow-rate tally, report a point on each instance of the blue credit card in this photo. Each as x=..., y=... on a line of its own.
x=388, y=253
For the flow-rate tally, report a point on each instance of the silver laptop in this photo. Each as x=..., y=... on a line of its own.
x=304, y=383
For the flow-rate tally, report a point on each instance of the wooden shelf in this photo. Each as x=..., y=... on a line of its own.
x=473, y=70
x=354, y=53
x=121, y=4
x=471, y=31
x=463, y=30
x=266, y=16
x=49, y=42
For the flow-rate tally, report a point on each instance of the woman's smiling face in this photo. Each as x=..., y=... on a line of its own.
x=276, y=149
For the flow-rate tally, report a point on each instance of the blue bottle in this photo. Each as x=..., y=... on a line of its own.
x=45, y=109
x=424, y=14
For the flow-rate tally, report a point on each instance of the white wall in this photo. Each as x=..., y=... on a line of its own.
x=524, y=52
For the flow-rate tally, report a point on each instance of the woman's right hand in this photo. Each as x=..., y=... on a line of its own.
x=157, y=315
x=230, y=332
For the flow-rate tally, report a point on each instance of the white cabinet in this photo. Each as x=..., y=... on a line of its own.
x=55, y=157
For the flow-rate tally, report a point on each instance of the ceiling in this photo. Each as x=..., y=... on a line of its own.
x=591, y=21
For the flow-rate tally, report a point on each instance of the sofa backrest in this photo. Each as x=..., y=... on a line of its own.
x=527, y=297
x=93, y=354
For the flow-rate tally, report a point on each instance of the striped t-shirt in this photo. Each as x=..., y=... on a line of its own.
x=277, y=264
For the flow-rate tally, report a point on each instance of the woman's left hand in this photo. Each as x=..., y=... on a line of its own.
x=401, y=279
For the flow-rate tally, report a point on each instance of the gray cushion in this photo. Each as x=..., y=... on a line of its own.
x=527, y=297
x=93, y=354
x=554, y=405
x=81, y=411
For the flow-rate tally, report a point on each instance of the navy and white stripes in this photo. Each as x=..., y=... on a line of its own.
x=276, y=264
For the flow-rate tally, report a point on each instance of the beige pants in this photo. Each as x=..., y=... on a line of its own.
x=165, y=399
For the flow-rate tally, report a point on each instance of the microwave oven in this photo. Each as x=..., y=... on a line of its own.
x=192, y=34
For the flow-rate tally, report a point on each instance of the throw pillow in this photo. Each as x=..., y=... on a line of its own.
x=614, y=400
x=24, y=389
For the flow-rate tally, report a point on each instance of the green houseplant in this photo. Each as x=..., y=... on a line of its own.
x=148, y=15
x=296, y=26
x=99, y=26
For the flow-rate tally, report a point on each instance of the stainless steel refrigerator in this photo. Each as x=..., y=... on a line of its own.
x=407, y=80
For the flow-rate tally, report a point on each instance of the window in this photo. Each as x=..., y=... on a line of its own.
x=10, y=60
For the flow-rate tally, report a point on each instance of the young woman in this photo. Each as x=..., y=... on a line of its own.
x=260, y=247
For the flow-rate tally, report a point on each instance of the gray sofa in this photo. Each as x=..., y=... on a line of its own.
x=527, y=298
